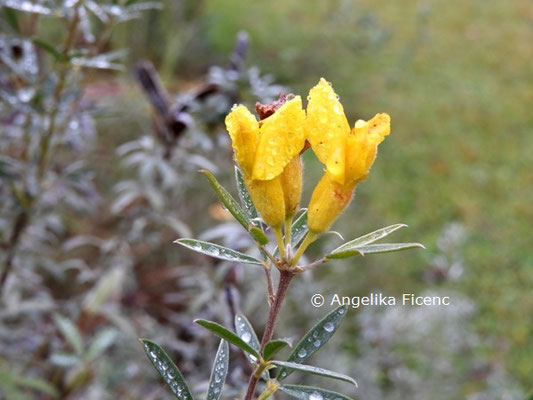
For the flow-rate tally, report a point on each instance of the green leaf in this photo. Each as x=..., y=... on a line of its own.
x=273, y=347
x=100, y=343
x=315, y=371
x=373, y=248
x=65, y=360
x=370, y=237
x=244, y=195
x=362, y=246
x=246, y=332
x=219, y=372
x=228, y=335
x=167, y=369
x=235, y=209
x=37, y=384
x=317, y=337
x=228, y=200
x=217, y=251
x=70, y=332
x=12, y=19
x=309, y=392
x=258, y=234
x=299, y=229
x=49, y=48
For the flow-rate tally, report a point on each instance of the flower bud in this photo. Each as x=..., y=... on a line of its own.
x=328, y=201
x=291, y=183
x=268, y=198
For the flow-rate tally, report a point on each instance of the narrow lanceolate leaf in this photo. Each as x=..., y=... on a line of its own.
x=313, y=340
x=228, y=335
x=315, y=371
x=228, y=200
x=167, y=369
x=12, y=19
x=244, y=195
x=235, y=209
x=258, y=234
x=219, y=372
x=48, y=48
x=373, y=248
x=311, y=393
x=369, y=237
x=70, y=332
x=246, y=332
x=299, y=229
x=217, y=251
x=273, y=347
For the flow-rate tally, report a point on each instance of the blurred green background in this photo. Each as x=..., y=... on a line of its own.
x=456, y=78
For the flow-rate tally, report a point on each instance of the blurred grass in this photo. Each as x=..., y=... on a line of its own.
x=456, y=78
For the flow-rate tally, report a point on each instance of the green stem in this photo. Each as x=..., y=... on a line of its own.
x=271, y=388
x=279, y=240
x=288, y=230
x=309, y=238
x=58, y=92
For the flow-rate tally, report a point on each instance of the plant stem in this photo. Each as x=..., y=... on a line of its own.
x=268, y=273
x=288, y=230
x=309, y=238
x=285, y=278
x=25, y=215
x=279, y=240
x=58, y=91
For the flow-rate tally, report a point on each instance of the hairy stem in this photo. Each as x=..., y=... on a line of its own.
x=270, y=286
x=284, y=282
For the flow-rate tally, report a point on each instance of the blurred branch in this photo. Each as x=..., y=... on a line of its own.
x=23, y=219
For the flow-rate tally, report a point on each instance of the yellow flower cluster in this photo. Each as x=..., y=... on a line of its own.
x=268, y=152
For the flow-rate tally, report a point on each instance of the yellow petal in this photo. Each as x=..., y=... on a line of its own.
x=269, y=200
x=336, y=164
x=326, y=126
x=282, y=137
x=362, y=143
x=379, y=127
x=328, y=200
x=243, y=129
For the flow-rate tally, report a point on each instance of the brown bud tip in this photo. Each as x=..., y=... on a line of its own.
x=266, y=110
x=306, y=146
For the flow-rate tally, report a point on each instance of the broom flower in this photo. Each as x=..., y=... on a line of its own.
x=268, y=153
x=346, y=153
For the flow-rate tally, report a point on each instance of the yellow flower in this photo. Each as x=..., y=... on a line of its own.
x=347, y=153
x=268, y=154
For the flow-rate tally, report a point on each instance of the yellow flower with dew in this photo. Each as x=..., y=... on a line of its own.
x=347, y=153
x=268, y=152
